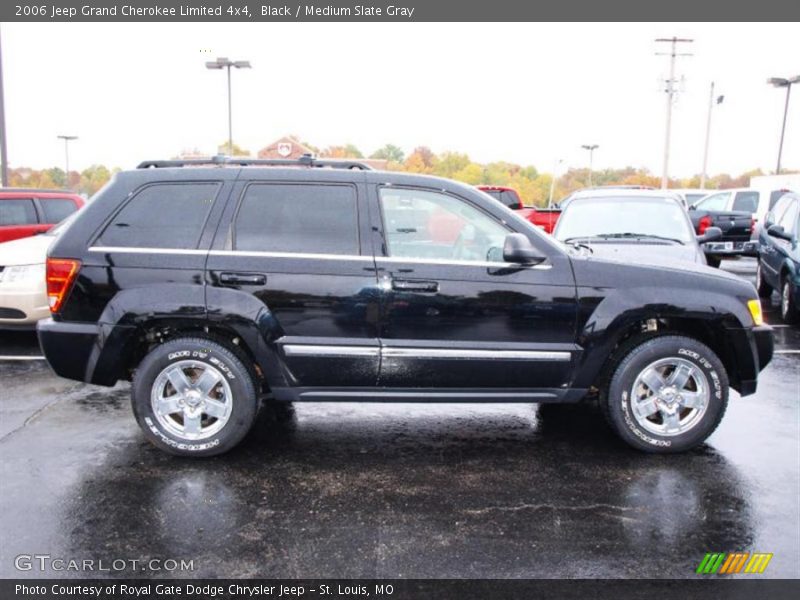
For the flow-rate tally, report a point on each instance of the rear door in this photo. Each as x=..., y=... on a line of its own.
x=18, y=219
x=453, y=314
x=292, y=240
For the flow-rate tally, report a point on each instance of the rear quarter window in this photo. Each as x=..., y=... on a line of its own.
x=161, y=215
x=17, y=211
x=55, y=210
x=297, y=218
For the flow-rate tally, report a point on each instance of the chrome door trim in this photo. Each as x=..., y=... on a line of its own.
x=331, y=351
x=456, y=354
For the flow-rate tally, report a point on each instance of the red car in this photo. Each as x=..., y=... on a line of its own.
x=25, y=212
x=541, y=217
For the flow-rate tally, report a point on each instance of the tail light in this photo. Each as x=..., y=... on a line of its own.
x=753, y=224
x=705, y=223
x=61, y=273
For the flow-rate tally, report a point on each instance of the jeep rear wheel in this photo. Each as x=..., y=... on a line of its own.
x=668, y=394
x=194, y=397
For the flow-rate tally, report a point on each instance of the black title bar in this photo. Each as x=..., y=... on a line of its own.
x=400, y=10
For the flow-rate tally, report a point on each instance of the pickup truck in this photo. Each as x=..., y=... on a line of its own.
x=544, y=218
x=736, y=226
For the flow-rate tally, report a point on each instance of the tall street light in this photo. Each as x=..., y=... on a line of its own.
x=704, y=174
x=224, y=63
x=3, y=143
x=591, y=148
x=67, y=139
x=787, y=83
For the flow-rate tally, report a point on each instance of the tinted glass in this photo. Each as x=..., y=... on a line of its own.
x=774, y=196
x=592, y=217
x=57, y=209
x=692, y=198
x=163, y=215
x=17, y=212
x=787, y=221
x=746, y=202
x=315, y=219
x=421, y=224
x=715, y=202
x=779, y=209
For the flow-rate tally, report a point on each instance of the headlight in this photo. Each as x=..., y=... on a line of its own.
x=22, y=273
x=755, y=311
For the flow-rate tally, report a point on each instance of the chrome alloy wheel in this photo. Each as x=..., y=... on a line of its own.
x=192, y=400
x=670, y=396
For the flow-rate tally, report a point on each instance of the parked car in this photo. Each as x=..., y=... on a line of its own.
x=633, y=225
x=545, y=218
x=589, y=191
x=213, y=287
x=779, y=256
x=690, y=195
x=23, y=289
x=25, y=212
x=736, y=225
x=756, y=201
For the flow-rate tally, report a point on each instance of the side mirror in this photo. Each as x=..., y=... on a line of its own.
x=778, y=232
x=692, y=207
x=518, y=249
x=711, y=234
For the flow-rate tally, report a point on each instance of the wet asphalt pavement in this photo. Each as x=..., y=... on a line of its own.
x=348, y=490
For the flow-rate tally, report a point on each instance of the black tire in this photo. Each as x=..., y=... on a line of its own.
x=789, y=310
x=764, y=289
x=235, y=375
x=713, y=261
x=635, y=359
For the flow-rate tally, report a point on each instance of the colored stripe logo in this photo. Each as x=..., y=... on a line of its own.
x=722, y=563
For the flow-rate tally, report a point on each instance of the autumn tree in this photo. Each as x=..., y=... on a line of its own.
x=346, y=151
x=389, y=152
x=235, y=151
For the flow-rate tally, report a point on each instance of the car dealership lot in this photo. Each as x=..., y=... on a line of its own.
x=348, y=490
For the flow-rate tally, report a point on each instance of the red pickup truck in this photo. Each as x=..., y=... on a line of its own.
x=545, y=218
x=25, y=212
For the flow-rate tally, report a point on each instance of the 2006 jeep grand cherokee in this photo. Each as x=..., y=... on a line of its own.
x=215, y=286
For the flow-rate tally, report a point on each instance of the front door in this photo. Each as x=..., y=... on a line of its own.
x=454, y=314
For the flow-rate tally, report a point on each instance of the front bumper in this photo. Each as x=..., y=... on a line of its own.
x=21, y=307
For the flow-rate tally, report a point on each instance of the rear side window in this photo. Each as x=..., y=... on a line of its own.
x=715, y=202
x=746, y=202
x=57, y=209
x=315, y=219
x=163, y=215
x=17, y=212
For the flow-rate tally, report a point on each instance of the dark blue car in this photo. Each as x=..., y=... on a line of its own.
x=779, y=256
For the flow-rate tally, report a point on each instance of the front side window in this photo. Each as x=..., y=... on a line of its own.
x=17, y=212
x=299, y=218
x=746, y=202
x=787, y=221
x=715, y=202
x=162, y=215
x=57, y=209
x=429, y=225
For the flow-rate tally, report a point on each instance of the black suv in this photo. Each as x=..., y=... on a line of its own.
x=215, y=286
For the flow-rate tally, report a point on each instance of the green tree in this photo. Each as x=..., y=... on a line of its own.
x=237, y=150
x=389, y=152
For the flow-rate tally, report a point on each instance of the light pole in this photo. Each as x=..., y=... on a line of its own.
x=787, y=83
x=704, y=174
x=591, y=148
x=553, y=182
x=67, y=139
x=224, y=63
x=3, y=144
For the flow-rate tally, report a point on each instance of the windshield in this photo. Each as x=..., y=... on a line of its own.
x=609, y=216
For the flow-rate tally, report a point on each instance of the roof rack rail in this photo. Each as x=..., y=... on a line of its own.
x=307, y=160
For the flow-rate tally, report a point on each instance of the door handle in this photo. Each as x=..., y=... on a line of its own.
x=243, y=278
x=415, y=285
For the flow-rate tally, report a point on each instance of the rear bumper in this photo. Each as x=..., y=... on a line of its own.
x=753, y=349
x=741, y=247
x=68, y=347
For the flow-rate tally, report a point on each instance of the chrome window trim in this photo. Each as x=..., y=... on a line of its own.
x=143, y=250
x=306, y=255
x=465, y=263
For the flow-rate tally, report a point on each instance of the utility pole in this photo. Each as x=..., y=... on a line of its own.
x=3, y=143
x=787, y=83
x=704, y=174
x=591, y=148
x=67, y=139
x=553, y=182
x=670, y=91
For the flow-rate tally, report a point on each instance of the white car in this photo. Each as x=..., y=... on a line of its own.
x=23, y=289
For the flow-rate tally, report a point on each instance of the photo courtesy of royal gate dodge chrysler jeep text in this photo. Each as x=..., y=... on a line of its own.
x=222, y=285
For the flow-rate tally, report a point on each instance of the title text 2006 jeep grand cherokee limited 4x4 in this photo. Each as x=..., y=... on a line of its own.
x=213, y=286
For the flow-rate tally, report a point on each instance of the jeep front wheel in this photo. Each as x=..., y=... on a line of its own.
x=194, y=397
x=668, y=394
